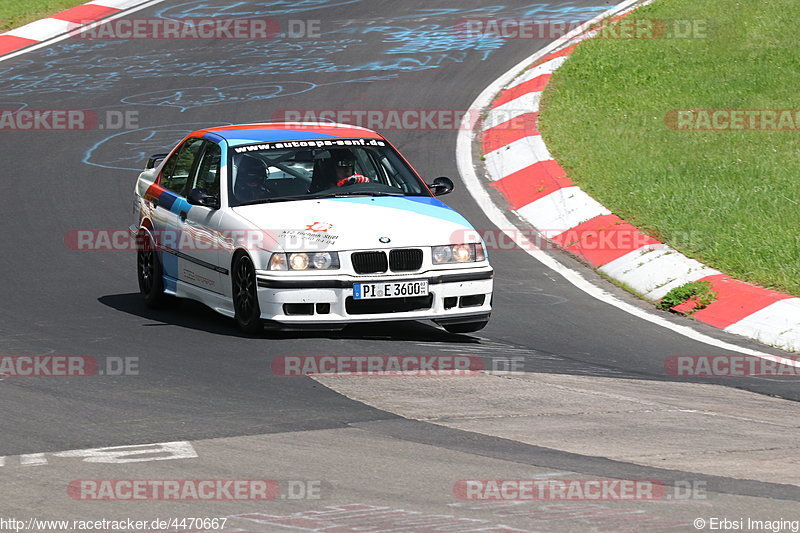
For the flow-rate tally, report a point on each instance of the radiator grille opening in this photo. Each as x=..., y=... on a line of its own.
x=405, y=260
x=369, y=262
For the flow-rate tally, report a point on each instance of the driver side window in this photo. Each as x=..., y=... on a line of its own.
x=177, y=170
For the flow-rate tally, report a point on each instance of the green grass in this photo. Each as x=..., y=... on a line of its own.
x=15, y=13
x=729, y=199
x=699, y=290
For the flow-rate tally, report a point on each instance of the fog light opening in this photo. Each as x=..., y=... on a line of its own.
x=473, y=300
x=298, y=309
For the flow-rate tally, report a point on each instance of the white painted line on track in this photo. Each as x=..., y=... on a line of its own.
x=134, y=453
x=32, y=459
x=118, y=4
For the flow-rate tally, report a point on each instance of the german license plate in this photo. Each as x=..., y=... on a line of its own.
x=389, y=289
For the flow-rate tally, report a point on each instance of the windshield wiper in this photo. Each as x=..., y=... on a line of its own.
x=324, y=195
x=346, y=194
x=271, y=200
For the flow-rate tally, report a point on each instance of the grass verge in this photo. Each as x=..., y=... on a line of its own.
x=16, y=13
x=700, y=291
x=731, y=199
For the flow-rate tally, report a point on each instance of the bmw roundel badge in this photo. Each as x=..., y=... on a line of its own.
x=384, y=240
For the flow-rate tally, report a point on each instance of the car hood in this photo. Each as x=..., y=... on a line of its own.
x=359, y=223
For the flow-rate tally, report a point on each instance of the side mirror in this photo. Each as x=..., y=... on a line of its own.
x=201, y=197
x=441, y=186
x=154, y=160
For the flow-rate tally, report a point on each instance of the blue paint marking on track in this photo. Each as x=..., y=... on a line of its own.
x=204, y=9
x=77, y=68
x=129, y=150
x=412, y=42
x=192, y=97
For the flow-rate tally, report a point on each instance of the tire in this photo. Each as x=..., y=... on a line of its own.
x=149, y=273
x=245, y=298
x=465, y=327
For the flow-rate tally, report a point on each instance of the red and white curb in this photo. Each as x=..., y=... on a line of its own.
x=48, y=30
x=536, y=188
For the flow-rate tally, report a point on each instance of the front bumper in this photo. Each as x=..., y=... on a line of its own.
x=454, y=296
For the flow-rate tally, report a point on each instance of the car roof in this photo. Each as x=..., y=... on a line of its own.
x=240, y=134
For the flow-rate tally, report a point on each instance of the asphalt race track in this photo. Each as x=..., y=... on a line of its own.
x=200, y=380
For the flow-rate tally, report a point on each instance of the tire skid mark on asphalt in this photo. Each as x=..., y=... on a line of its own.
x=534, y=360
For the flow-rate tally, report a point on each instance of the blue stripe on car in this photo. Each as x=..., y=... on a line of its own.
x=423, y=205
x=239, y=137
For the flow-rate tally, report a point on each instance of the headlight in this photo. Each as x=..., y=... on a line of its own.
x=324, y=260
x=442, y=254
x=298, y=261
x=463, y=253
x=458, y=253
x=304, y=261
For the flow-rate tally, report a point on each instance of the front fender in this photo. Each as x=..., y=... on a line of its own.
x=239, y=234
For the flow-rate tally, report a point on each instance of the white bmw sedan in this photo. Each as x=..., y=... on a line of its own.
x=306, y=225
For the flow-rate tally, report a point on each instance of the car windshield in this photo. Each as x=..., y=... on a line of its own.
x=300, y=170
